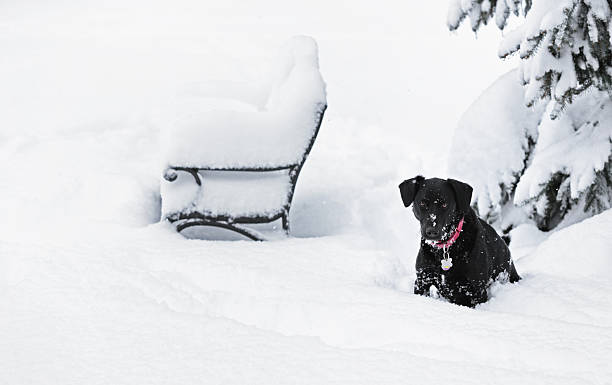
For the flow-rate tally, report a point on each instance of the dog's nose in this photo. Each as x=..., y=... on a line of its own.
x=432, y=233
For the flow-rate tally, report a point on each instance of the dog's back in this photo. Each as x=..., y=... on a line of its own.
x=498, y=252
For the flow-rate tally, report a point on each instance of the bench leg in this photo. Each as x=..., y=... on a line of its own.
x=286, y=226
x=251, y=234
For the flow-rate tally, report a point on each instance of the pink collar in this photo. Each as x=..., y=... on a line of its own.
x=451, y=240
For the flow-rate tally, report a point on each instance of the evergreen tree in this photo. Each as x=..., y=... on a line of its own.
x=566, y=63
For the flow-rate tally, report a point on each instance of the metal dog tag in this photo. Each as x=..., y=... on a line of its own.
x=447, y=263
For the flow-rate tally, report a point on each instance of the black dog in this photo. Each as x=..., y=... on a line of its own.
x=460, y=254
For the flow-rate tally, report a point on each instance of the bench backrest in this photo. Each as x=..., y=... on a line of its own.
x=245, y=162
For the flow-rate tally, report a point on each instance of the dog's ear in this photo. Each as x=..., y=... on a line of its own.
x=409, y=188
x=463, y=194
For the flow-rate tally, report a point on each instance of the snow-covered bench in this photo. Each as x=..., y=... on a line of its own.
x=239, y=165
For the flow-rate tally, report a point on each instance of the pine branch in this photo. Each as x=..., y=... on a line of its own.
x=581, y=32
x=598, y=197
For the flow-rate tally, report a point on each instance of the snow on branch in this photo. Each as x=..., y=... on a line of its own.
x=564, y=45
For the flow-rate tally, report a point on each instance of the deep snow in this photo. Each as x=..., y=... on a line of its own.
x=146, y=306
x=93, y=290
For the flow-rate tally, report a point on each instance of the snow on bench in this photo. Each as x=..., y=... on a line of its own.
x=230, y=163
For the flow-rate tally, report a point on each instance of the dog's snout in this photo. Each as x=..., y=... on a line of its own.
x=432, y=233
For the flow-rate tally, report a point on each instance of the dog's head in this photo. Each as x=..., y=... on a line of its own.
x=438, y=204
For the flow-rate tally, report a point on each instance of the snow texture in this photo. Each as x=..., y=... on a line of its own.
x=542, y=29
x=277, y=136
x=578, y=143
x=93, y=290
x=558, y=256
x=455, y=14
x=226, y=193
x=490, y=145
x=491, y=140
x=245, y=137
x=554, y=38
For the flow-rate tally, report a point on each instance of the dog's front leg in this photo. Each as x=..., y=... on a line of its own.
x=467, y=293
x=426, y=277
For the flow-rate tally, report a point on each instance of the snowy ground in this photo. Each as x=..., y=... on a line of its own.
x=94, y=291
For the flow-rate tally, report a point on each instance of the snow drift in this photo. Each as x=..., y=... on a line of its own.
x=91, y=292
x=490, y=143
x=512, y=155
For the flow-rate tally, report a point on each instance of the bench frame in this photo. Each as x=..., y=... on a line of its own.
x=236, y=223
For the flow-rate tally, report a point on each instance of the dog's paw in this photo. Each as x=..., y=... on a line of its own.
x=433, y=292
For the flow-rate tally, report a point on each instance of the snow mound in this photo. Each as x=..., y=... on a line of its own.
x=578, y=251
x=213, y=135
x=490, y=142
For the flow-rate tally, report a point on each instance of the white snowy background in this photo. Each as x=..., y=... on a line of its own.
x=94, y=291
